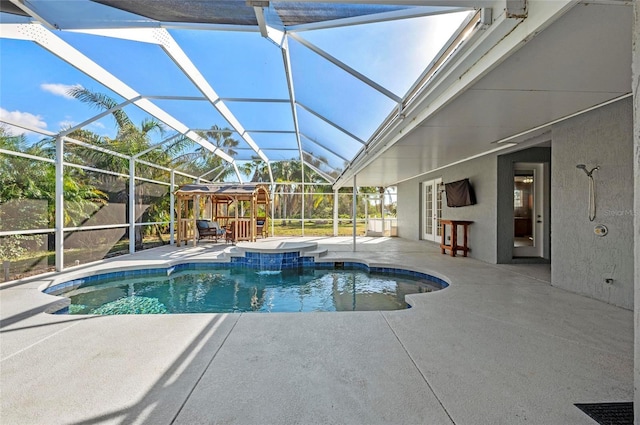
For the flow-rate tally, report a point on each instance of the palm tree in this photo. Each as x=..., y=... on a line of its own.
x=257, y=169
x=130, y=140
x=221, y=138
x=179, y=153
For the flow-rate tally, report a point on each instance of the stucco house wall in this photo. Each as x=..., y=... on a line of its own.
x=482, y=174
x=582, y=260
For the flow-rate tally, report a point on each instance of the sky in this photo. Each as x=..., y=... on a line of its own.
x=34, y=84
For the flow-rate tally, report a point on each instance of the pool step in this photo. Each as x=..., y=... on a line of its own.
x=233, y=251
x=317, y=253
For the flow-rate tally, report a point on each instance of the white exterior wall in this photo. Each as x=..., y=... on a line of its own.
x=581, y=260
x=482, y=174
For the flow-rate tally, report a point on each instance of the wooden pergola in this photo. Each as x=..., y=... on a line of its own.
x=241, y=209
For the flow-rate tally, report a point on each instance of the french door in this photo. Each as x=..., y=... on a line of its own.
x=530, y=197
x=431, y=210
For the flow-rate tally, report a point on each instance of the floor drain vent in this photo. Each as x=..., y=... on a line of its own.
x=608, y=413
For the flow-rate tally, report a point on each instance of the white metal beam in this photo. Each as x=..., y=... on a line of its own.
x=315, y=142
x=95, y=148
x=54, y=44
x=157, y=145
x=292, y=95
x=209, y=172
x=262, y=23
x=437, y=3
x=235, y=168
x=289, y=74
x=208, y=27
x=253, y=100
x=132, y=205
x=270, y=174
x=272, y=131
x=448, y=68
x=331, y=123
x=377, y=17
x=27, y=127
x=320, y=172
x=59, y=205
x=315, y=157
x=161, y=37
x=482, y=54
x=97, y=117
x=27, y=156
x=315, y=49
x=33, y=11
x=272, y=149
x=218, y=175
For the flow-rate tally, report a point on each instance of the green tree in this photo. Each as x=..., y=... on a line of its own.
x=27, y=192
x=179, y=153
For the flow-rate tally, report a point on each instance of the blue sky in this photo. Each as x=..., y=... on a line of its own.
x=237, y=65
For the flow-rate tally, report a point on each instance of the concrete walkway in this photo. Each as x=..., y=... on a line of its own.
x=499, y=346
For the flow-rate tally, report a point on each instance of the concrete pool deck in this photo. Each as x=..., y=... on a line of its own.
x=499, y=346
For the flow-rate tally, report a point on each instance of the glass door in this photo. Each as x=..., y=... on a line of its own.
x=528, y=210
x=431, y=210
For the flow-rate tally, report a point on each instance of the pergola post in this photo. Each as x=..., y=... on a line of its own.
x=196, y=216
x=172, y=200
x=335, y=212
x=179, y=216
x=252, y=212
x=366, y=213
x=59, y=204
x=354, y=212
x=235, y=222
x=273, y=210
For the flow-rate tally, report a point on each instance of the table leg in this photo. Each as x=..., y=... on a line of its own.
x=465, y=240
x=454, y=240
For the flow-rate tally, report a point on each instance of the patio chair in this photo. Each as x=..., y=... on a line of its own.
x=261, y=227
x=209, y=229
x=230, y=233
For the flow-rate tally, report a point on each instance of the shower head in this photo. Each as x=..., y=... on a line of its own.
x=584, y=168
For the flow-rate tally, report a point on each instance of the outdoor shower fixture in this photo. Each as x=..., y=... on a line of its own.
x=584, y=168
x=592, y=189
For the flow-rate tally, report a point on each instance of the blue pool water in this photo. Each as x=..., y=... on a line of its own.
x=223, y=290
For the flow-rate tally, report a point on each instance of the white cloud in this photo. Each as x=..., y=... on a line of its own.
x=97, y=124
x=59, y=89
x=66, y=124
x=25, y=118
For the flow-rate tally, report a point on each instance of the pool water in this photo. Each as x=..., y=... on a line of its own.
x=245, y=290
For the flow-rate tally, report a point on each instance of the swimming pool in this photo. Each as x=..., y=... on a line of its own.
x=197, y=288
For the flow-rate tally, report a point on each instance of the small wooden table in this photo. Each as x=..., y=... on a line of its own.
x=453, y=244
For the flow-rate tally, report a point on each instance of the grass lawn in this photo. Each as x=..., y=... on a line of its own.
x=315, y=228
x=36, y=262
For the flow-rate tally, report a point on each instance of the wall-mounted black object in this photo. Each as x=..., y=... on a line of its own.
x=459, y=193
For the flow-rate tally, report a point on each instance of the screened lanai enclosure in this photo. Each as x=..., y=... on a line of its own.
x=108, y=107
